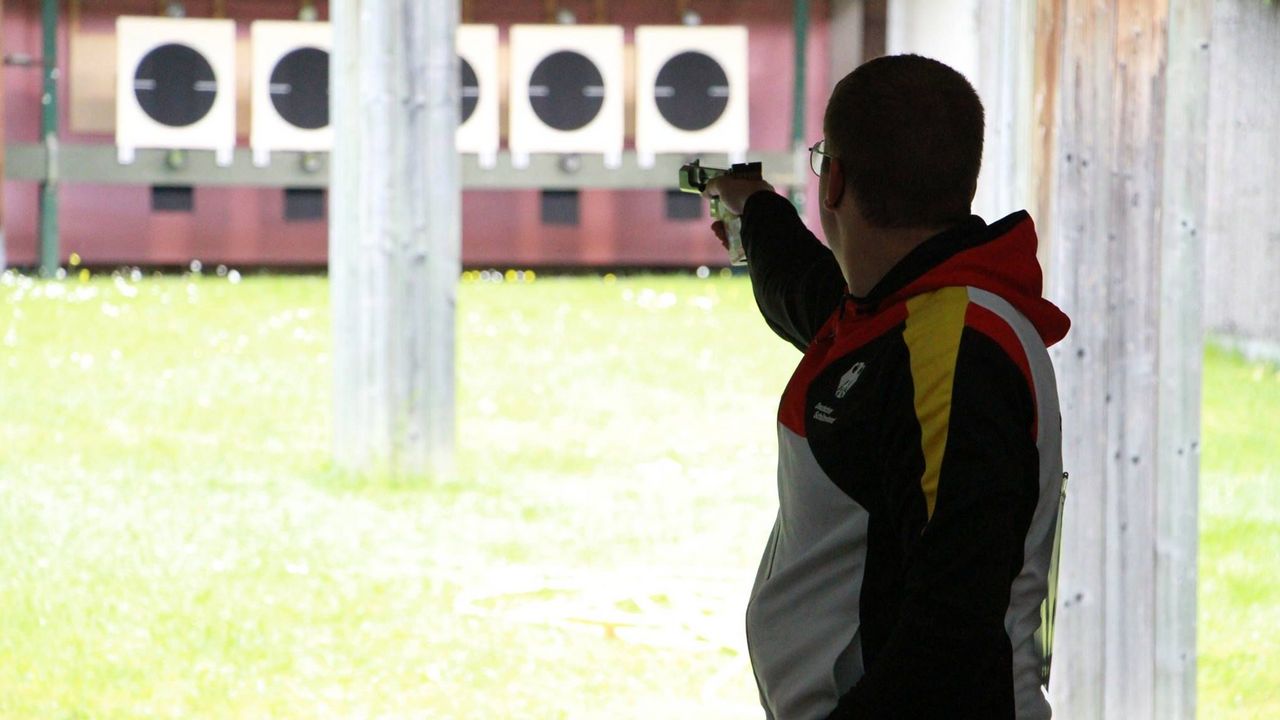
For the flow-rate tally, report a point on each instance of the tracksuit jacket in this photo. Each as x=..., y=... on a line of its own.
x=919, y=477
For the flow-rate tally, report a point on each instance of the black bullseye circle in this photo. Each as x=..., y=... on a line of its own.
x=566, y=90
x=175, y=85
x=299, y=88
x=470, y=90
x=691, y=91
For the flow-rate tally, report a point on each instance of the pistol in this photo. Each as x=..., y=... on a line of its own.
x=694, y=178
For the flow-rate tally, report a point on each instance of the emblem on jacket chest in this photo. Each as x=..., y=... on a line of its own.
x=849, y=379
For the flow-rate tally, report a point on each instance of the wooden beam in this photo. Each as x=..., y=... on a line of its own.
x=991, y=43
x=1047, y=61
x=1078, y=281
x=1244, y=229
x=1005, y=80
x=875, y=20
x=844, y=37
x=1183, y=219
x=394, y=237
x=1128, y=199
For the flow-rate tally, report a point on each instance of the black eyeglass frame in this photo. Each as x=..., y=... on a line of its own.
x=818, y=153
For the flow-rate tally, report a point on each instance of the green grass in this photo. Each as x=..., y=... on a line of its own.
x=1239, y=644
x=174, y=542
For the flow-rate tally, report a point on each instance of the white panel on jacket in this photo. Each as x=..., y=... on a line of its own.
x=175, y=85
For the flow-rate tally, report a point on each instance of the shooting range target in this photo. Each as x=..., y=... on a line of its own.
x=175, y=86
x=290, y=95
x=299, y=88
x=478, y=90
x=566, y=91
x=469, y=86
x=691, y=91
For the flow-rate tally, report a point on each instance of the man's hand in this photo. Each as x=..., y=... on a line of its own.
x=734, y=191
x=721, y=234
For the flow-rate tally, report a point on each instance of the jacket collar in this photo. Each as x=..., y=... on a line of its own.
x=968, y=233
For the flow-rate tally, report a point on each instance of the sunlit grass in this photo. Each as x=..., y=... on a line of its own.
x=173, y=541
x=176, y=544
x=1239, y=646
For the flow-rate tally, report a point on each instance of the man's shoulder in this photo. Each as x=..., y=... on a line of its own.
x=933, y=328
x=949, y=329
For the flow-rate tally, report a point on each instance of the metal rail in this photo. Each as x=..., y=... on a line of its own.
x=97, y=164
x=49, y=254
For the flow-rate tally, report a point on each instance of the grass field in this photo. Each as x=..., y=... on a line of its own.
x=174, y=543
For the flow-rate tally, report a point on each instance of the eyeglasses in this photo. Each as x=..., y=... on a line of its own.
x=817, y=154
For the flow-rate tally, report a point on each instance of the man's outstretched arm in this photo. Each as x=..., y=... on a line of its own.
x=796, y=280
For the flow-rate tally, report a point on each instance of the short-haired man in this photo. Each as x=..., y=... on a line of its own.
x=920, y=465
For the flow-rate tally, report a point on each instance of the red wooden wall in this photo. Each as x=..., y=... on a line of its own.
x=111, y=225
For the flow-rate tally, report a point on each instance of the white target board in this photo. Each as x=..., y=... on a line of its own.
x=691, y=91
x=290, y=89
x=175, y=85
x=566, y=91
x=478, y=92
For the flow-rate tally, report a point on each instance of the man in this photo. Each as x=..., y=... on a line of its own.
x=920, y=467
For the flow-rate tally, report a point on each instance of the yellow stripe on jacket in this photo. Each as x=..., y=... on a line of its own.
x=934, y=323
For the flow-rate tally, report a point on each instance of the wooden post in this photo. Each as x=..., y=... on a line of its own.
x=875, y=19
x=990, y=42
x=394, y=237
x=1046, y=74
x=844, y=33
x=1183, y=219
x=1005, y=82
x=799, y=95
x=1244, y=129
x=1128, y=199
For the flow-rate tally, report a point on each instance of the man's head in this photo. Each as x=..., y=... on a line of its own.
x=906, y=132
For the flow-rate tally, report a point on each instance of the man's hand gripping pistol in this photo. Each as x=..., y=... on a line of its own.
x=694, y=178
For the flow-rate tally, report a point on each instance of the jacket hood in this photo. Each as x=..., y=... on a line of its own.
x=999, y=258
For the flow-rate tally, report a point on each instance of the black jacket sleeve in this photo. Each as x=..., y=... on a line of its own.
x=948, y=655
x=795, y=278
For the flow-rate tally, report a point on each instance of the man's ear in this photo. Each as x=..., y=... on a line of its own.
x=835, y=184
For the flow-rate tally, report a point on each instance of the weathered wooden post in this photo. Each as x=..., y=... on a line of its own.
x=991, y=43
x=1097, y=116
x=844, y=33
x=1127, y=215
x=1243, y=297
x=394, y=234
